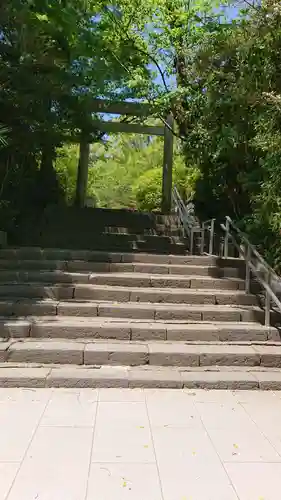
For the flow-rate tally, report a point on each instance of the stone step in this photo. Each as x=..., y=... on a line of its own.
x=75, y=266
x=122, y=279
x=117, y=328
x=133, y=310
x=105, y=242
x=242, y=378
x=153, y=230
x=105, y=216
x=125, y=353
x=126, y=294
x=57, y=254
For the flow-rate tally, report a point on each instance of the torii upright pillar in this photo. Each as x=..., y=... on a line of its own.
x=82, y=174
x=167, y=180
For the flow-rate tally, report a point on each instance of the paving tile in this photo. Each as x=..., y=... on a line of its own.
x=165, y=395
x=18, y=423
x=124, y=481
x=195, y=481
x=223, y=415
x=121, y=395
x=259, y=397
x=211, y=396
x=267, y=418
x=267, y=415
x=69, y=409
x=122, y=414
x=243, y=445
x=56, y=466
x=173, y=414
x=8, y=473
x=25, y=394
x=177, y=444
x=256, y=481
x=86, y=394
x=115, y=443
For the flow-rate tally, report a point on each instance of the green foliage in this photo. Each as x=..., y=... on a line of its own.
x=66, y=168
x=127, y=172
x=148, y=190
x=55, y=57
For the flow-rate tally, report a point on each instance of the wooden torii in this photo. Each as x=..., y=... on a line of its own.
x=126, y=109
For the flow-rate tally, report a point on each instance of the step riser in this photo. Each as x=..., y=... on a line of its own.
x=81, y=292
x=136, y=378
x=115, y=257
x=8, y=268
x=159, y=230
x=9, y=309
x=138, y=332
x=120, y=280
x=139, y=357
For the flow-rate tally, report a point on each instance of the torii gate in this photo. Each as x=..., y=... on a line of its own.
x=130, y=109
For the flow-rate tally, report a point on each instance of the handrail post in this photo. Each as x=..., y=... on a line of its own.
x=267, y=300
x=226, y=239
x=248, y=270
x=212, y=233
x=202, y=240
x=191, y=241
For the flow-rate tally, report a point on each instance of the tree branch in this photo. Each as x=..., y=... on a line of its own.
x=138, y=49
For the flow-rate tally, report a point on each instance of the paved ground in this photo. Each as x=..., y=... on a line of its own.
x=120, y=444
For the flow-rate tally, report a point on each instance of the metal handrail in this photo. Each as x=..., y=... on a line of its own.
x=193, y=225
x=253, y=259
x=190, y=224
x=248, y=253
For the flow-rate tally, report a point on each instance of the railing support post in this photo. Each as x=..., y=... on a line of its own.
x=212, y=234
x=248, y=270
x=226, y=239
x=267, y=300
x=202, y=240
x=191, y=241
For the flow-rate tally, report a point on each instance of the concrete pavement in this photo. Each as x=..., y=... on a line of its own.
x=121, y=444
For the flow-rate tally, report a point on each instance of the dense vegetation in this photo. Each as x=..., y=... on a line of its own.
x=220, y=78
x=125, y=171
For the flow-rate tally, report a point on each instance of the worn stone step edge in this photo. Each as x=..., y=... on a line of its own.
x=109, y=328
x=136, y=353
x=115, y=257
x=127, y=294
x=121, y=279
x=72, y=266
x=132, y=310
x=138, y=377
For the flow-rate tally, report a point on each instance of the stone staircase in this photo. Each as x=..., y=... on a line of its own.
x=104, y=230
x=83, y=318
x=131, y=309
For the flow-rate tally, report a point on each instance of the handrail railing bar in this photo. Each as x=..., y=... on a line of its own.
x=245, y=249
x=253, y=248
x=255, y=272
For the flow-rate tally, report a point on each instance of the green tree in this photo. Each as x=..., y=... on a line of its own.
x=55, y=57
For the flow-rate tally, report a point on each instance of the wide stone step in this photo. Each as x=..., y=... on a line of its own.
x=122, y=279
x=133, y=310
x=126, y=294
x=118, y=353
x=77, y=266
x=122, y=242
x=139, y=330
x=105, y=216
x=58, y=254
x=145, y=230
x=22, y=375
